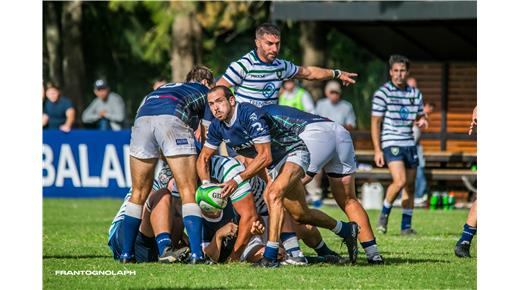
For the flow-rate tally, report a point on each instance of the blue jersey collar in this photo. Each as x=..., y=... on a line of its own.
x=234, y=118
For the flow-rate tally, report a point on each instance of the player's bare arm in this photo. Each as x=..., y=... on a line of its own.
x=259, y=163
x=203, y=163
x=213, y=249
x=375, y=130
x=317, y=73
x=223, y=82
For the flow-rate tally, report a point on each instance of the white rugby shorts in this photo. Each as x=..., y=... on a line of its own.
x=330, y=147
x=299, y=157
x=166, y=133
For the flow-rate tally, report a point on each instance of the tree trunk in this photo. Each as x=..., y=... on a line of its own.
x=73, y=64
x=53, y=41
x=186, y=46
x=312, y=40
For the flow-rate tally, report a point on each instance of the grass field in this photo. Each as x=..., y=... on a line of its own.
x=75, y=237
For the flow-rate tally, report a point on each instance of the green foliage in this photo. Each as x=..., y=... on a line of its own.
x=75, y=238
x=345, y=54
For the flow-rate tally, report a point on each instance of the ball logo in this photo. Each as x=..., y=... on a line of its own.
x=216, y=195
x=268, y=90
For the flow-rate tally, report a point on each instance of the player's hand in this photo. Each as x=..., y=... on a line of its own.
x=102, y=114
x=422, y=123
x=257, y=228
x=228, y=187
x=45, y=119
x=347, y=78
x=379, y=158
x=65, y=128
x=229, y=230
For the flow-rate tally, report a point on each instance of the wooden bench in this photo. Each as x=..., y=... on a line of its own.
x=429, y=156
x=431, y=174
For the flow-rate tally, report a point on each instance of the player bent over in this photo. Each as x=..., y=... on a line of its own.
x=165, y=123
x=330, y=147
x=253, y=134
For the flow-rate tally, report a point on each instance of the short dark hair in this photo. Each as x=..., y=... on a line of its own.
x=430, y=104
x=51, y=85
x=199, y=73
x=267, y=28
x=227, y=92
x=397, y=58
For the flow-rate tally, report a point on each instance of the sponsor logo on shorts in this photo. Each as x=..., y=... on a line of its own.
x=394, y=150
x=183, y=141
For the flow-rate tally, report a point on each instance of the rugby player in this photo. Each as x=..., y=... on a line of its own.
x=165, y=122
x=258, y=75
x=470, y=227
x=253, y=134
x=330, y=147
x=153, y=241
x=397, y=107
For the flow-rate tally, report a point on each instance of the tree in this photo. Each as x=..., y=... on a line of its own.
x=312, y=40
x=53, y=40
x=73, y=63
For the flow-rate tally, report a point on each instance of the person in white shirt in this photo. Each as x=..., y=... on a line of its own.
x=336, y=109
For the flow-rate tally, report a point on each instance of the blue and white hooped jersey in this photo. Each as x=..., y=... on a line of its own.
x=292, y=118
x=119, y=216
x=257, y=82
x=399, y=109
x=250, y=126
x=224, y=168
x=186, y=101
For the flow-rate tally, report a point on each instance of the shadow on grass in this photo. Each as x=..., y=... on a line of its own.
x=388, y=261
x=75, y=256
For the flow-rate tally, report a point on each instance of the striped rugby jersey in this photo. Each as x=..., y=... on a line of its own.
x=399, y=109
x=257, y=82
x=224, y=168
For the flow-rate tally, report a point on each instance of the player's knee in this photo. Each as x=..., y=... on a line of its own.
x=300, y=217
x=400, y=182
x=274, y=195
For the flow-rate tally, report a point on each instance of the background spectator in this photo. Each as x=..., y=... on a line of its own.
x=295, y=96
x=336, y=109
x=107, y=111
x=421, y=183
x=58, y=110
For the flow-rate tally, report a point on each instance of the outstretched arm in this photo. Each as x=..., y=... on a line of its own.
x=319, y=74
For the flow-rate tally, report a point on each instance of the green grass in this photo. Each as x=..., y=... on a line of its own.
x=75, y=237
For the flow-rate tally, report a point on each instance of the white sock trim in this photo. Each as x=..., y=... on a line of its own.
x=408, y=211
x=191, y=209
x=134, y=210
x=386, y=204
x=273, y=244
x=320, y=245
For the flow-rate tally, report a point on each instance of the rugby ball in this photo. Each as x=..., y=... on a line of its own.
x=209, y=198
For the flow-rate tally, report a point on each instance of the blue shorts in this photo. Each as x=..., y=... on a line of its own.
x=145, y=248
x=406, y=154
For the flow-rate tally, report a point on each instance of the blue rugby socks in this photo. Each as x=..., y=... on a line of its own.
x=131, y=223
x=290, y=244
x=322, y=250
x=163, y=240
x=271, y=251
x=370, y=248
x=467, y=234
x=387, y=207
x=406, y=221
x=192, y=217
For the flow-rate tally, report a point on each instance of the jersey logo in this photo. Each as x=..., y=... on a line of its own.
x=412, y=100
x=268, y=90
x=404, y=112
x=253, y=117
x=394, y=150
x=258, y=126
x=279, y=74
x=183, y=141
